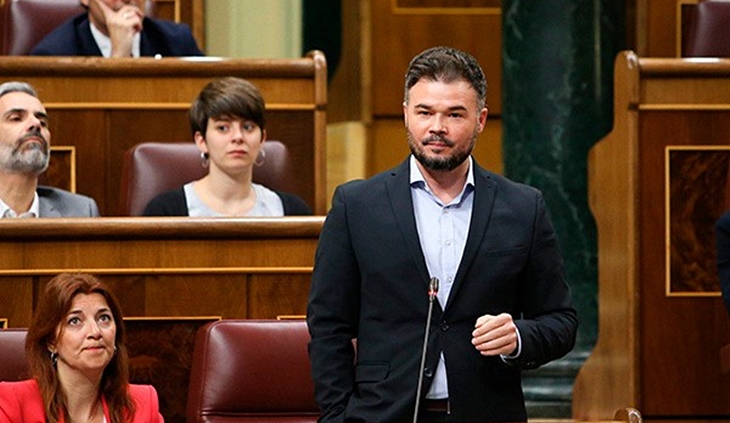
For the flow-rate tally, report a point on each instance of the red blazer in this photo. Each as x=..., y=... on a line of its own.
x=21, y=402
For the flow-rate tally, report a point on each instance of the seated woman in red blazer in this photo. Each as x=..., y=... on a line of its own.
x=78, y=360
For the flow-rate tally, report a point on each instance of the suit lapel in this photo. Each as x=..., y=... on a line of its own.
x=399, y=196
x=88, y=46
x=485, y=190
x=46, y=207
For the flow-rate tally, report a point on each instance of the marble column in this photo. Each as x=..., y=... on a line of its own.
x=557, y=102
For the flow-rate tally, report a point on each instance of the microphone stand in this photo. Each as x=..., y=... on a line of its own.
x=433, y=289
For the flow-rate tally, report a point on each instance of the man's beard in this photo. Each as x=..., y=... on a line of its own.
x=439, y=163
x=25, y=158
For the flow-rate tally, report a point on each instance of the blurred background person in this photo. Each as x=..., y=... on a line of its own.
x=229, y=128
x=117, y=28
x=78, y=360
x=722, y=232
x=24, y=154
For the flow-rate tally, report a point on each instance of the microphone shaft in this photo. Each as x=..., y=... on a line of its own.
x=432, y=295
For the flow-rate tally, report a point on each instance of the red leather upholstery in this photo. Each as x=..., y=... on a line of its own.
x=13, y=365
x=151, y=168
x=25, y=22
x=251, y=371
x=709, y=30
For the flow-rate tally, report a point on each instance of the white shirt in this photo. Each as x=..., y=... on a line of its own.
x=442, y=230
x=33, y=211
x=105, y=43
x=268, y=203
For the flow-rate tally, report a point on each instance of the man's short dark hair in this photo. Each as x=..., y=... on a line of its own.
x=447, y=64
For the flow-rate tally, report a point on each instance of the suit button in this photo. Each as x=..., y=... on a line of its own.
x=444, y=326
x=427, y=372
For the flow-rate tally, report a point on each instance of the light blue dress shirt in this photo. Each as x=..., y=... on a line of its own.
x=442, y=231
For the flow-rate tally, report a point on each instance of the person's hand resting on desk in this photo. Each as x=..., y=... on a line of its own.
x=121, y=24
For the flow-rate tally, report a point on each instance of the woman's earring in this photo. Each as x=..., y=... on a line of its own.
x=54, y=358
x=261, y=158
x=204, y=159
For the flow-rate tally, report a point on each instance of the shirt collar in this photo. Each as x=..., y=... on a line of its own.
x=416, y=177
x=105, y=43
x=34, y=211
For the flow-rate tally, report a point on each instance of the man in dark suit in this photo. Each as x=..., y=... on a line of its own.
x=114, y=28
x=502, y=306
x=24, y=154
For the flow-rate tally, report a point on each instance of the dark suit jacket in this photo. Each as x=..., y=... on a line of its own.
x=722, y=229
x=54, y=202
x=21, y=402
x=370, y=282
x=73, y=38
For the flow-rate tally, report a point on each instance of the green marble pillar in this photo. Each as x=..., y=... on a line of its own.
x=557, y=103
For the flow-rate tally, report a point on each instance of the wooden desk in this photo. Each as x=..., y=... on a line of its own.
x=657, y=183
x=232, y=268
x=103, y=107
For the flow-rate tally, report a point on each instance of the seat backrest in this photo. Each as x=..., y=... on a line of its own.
x=708, y=33
x=152, y=168
x=251, y=370
x=13, y=365
x=25, y=22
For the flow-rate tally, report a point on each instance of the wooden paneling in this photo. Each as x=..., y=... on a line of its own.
x=402, y=29
x=61, y=170
x=660, y=26
x=233, y=268
x=190, y=12
x=680, y=332
x=160, y=354
x=103, y=107
x=657, y=350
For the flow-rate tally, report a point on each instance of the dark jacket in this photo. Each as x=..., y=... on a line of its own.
x=370, y=283
x=73, y=38
x=722, y=232
x=56, y=202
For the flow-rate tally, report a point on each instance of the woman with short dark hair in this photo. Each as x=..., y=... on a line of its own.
x=228, y=125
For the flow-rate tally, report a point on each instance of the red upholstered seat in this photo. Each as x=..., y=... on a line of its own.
x=251, y=371
x=13, y=365
x=152, y=168
x=709, y=30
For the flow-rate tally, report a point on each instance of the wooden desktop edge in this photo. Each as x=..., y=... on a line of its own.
x=161, y=227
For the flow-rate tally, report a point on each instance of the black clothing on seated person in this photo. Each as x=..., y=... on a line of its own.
x=173, y=203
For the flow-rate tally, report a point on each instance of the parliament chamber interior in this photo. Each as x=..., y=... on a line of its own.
x=208, y=301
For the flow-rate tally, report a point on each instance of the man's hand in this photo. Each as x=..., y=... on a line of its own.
x=495, y=335
x=122, y=24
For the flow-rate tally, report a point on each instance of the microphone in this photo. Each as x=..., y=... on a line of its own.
x=433, y=289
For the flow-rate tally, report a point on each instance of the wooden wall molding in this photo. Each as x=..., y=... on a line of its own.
x=658, y=353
